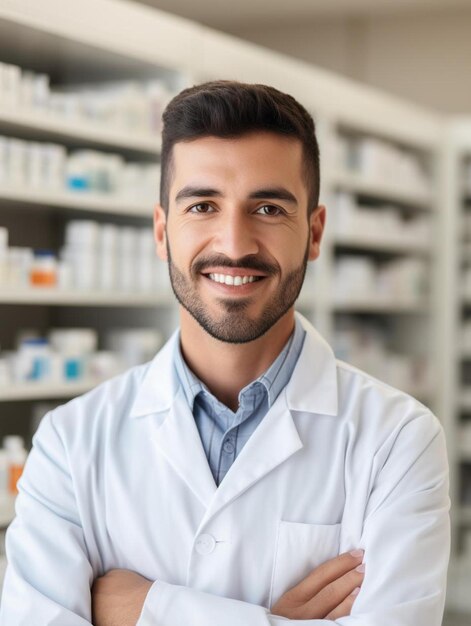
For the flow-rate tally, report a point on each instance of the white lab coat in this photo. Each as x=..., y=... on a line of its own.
x=118, y=478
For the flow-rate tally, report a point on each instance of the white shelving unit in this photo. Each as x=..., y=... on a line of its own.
x=59, y=41
x=135, y=40
x=378, y=305
x=459, y=300
x=385, y=243
x=390, y=191
x=75, y=132
x=86, y=201
x=205, y=55
x=61, y=297
x=456, y=353
x=407, y=319
x=42, y=391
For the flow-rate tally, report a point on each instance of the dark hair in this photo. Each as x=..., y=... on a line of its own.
x=225, y=108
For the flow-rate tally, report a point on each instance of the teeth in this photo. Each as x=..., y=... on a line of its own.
x=232, y=280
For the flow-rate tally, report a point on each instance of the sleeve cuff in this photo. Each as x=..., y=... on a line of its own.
x=173, y=605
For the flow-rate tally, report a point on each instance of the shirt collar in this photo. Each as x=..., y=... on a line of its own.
x=312, y=387
x=273, y=379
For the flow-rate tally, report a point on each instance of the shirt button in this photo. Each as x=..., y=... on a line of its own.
x=205, y=544
x=228, y=446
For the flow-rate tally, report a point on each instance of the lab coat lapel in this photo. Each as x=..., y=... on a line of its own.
x=161, y=400
x=179, y=441
x=273, y=442
x=312, y=389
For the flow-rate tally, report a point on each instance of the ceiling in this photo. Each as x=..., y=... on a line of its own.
x=247, y=13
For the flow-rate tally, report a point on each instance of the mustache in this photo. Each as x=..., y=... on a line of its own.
x=249, y=262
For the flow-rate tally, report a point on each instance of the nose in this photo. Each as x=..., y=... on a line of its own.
x=235, y=238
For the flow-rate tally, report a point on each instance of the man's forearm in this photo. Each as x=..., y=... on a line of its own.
x=118, y=598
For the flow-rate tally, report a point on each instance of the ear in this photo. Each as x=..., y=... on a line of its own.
x=316, y=230
x=160, y=235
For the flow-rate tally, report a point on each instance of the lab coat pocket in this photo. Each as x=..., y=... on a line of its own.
x=299, y=549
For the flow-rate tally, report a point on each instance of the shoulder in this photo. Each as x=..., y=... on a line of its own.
x=381, y=414
x=356, y=384
x=101, y=409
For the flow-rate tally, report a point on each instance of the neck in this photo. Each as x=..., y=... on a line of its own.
x=226, y=368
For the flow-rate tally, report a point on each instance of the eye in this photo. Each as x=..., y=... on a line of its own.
x=202, y=208
x=270, y=210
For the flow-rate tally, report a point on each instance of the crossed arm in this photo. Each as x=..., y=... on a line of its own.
x=328, y=592
x=51, y=574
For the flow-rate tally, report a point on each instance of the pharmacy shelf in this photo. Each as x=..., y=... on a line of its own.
x=86, y=201
x=134, y=35
x=76, y=132
x=69, y=297
x=374, y=304
x=379, y=189
x=457, y=302
x=41, y=391
x=380, y=244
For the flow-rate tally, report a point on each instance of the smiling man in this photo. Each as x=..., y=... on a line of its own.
x=244, y=477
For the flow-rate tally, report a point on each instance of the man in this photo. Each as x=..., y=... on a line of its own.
x=244, y=476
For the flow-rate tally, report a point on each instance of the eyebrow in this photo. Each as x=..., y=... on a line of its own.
x=273, y=193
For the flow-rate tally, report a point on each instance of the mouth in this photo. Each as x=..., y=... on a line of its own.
x=234, y=281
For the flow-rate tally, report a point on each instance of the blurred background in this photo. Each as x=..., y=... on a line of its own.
x=82, y=297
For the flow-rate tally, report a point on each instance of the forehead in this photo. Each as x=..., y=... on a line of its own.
x=251, y=157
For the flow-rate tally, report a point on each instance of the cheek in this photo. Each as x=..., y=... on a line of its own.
x=288, y=245
x=186, y=245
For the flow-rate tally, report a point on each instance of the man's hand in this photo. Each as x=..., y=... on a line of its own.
x=328, y=592
x=118, y=598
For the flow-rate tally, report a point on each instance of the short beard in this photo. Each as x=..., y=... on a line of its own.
x=236, y=327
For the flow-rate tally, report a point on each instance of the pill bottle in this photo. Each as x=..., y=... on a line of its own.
x=82, y=234
x=64, y=273
x=104, y=364
x=76, y=173
x=126, y=258
x=26, y=90
x=74, y=345
x=34, y=164
x=44, y=269
x=17, y=159
x=33, y=360
x=19, y=264
x=14, y=445
x=11, y=80
x=133, y=346
x=54, y=158
x=40, y=91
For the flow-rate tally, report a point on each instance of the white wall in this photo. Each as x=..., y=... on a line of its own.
x=422, y=57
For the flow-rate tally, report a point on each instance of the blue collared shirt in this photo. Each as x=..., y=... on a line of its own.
x=224, y=433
